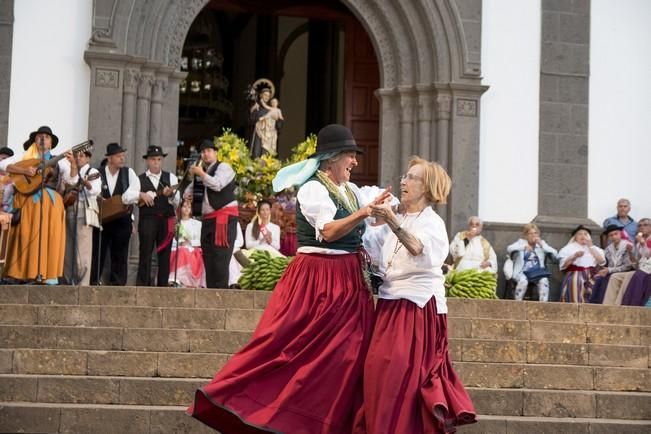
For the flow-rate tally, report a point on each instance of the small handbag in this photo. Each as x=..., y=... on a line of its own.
x=536, y=273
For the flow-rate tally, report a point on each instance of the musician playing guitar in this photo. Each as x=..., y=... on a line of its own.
x=117, y=180
x=156, y=220
x=81, y=217
x=23, y=256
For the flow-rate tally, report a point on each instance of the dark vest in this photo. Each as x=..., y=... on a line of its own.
x=121, y=186
x=161, y=207
x=216, y=199
x=305, y=233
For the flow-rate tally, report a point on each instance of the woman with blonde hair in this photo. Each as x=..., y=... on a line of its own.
x=409, y=383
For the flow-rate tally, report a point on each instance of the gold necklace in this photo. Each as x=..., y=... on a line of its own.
x=398, y=243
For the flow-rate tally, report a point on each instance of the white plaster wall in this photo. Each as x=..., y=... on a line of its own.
x=620, y=107
x=508, y=161
x=50, y=82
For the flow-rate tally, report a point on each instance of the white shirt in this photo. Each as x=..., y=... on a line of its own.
x=319, y=210
x=587, y=260
x=260, y=243
x=416, y=278
x=224, y=175
x=155, y=180
x=192, y=228
x=84, y=171
x=472, y=255
x=132, y=194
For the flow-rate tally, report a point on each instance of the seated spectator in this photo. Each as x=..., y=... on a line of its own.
x=619, y=259
x=638, y=289
x=579, y=259
x=186, y=260
x=529, y=255
x=261, y=234
x=623, y=220
x=470, y=249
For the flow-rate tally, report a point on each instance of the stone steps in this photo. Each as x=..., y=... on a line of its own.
x=180, y=391
x=128, y=359
x=132, y=419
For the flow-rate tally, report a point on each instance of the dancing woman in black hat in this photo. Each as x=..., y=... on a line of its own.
x=301, y=373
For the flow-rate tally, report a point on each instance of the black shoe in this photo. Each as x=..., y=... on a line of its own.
x=234, y=286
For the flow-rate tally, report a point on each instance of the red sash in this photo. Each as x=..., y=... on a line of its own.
x=221, y=223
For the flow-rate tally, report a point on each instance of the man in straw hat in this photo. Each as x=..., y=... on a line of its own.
x=156, y=221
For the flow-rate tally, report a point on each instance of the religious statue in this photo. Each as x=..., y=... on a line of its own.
x=265, y=117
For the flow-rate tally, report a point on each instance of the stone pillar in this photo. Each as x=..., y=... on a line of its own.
x=155, y=125
x=6, y=40
x=424, y=121
x=129, y=91
x=442, y=129
x=406, y=144
x=142, y=119
x=390, y=168
x=564, y=90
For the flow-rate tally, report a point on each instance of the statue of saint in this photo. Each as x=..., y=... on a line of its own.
x=265, y=117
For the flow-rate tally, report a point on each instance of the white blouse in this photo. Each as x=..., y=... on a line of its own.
x=416, y=278
x=192, y=228
x=260, y=243
x=587, y=260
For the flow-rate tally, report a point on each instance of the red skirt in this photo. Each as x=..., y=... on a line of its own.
x=301, y=373
x=409, y=383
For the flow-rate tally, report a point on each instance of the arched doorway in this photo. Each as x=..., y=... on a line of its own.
x=317, y=55
x=428, y=95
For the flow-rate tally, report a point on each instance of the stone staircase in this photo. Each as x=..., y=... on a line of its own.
x=127, y=360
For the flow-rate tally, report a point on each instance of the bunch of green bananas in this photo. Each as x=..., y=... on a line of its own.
x=470, y=284
x=264, y=271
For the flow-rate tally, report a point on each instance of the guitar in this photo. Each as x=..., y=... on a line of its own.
x=26, y=184
x=159, y=192
x=72, y=193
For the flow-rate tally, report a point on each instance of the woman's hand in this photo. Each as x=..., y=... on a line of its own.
x=385, y=213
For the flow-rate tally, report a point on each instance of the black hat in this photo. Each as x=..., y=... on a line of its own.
x=154, y=151
x=5, y=150
x=612, y=228
x=41, y=130
x=581, y=228
x=207, y=144
x=114, y=148
x=335, y=138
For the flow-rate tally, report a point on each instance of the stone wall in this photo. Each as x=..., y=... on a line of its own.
x=6, y=40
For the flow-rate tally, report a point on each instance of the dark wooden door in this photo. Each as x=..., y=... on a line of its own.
x=361, y=109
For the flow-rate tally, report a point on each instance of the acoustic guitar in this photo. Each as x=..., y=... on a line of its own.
x=159, y=192
x=71, y=193
x=26, y=184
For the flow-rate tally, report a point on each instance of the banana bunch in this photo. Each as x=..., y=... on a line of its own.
x=470, y=284
x=263, y=272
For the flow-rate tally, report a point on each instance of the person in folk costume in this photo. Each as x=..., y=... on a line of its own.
x=301, y=372
x=186, y=261
x=117, y=180
x=261, y=233
x=22, y=258
x=214, y=187
x=579, y=259
x=81, y=218
x=6, y=185
x=410, y=385
x=156, y=220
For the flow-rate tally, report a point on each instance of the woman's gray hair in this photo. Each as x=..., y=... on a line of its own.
x=326, y=162
x=474, y=217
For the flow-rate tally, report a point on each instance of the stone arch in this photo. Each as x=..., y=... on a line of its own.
x=428, y=52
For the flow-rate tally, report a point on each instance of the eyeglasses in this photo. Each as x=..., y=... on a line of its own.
x=410, y=177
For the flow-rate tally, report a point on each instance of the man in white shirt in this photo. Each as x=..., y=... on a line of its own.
x=156, y=220
x=117, y=180
x=470, y=249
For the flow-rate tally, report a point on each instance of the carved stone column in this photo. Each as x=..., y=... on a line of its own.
x=155, y=122
x=424, y=121
x=129, y=91
x=389, y=137
x=142, y=119
x=443, y=108
x=407, y=100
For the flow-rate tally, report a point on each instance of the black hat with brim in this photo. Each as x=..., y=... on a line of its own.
x=207, y=144
x=114, y=148
x=42, y=130
x=5, y=150
x=335, y=138
x=154, y=151
x=581, y=228
x=612, y=228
